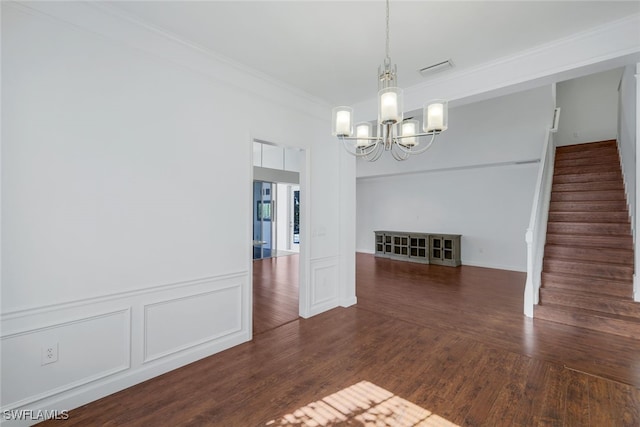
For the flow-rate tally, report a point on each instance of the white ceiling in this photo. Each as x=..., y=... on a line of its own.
x=332, y=49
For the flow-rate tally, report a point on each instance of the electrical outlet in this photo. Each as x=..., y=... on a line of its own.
x=49, y=353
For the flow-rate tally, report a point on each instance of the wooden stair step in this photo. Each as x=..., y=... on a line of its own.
x=588, y=206
x=587, y=147
x=613, y=256
x=588, y=186
x=588, y=269
x=593, y=168
x=588, y=319
x=609, y=159
x=566, y=196
x=593, y=154
x=594, y=302
x=587, y=177
x=591, y=285
x=590, y=228
x=597, y=216
x=615, y=242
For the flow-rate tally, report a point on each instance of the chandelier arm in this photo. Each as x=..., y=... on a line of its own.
x=401, y=155
x=421, y=150
x=364, y=152
x=377, y=154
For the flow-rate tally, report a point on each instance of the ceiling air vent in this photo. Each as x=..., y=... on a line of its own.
x=435, y=68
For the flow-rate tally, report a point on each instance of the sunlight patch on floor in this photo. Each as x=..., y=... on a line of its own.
x=362, y=404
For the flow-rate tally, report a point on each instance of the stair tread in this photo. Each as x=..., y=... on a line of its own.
x=597, y=217
x=593, y=241
x=586, y=223
x=590, y=254
x=588, y=206
x=586, y=263
x=594, y=313
x=611, y=324
x=582, y=147
x=603, y=286
x=603, y=281
x=588, y=294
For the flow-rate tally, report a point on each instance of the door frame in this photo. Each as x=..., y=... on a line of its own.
x=305, y=215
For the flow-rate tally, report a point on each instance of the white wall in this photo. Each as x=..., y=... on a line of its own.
x=472, y=182
x=589, y=108
x=627, y=122
x=126, y=202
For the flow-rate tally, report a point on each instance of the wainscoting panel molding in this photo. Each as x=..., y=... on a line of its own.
x=324, y=287
x=181, y=323
x=133, y=337
x=77, y=363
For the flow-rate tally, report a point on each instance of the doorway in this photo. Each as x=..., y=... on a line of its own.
x=277, y=236
x=264, y=226
x=276, y=219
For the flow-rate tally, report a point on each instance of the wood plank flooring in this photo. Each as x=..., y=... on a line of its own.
x=451, y=340
x=275, y=292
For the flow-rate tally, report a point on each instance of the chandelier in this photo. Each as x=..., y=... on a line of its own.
x=399, y=136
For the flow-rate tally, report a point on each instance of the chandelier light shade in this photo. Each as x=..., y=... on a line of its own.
x=435, y=116
x=342, y=121
x=395, y=134
x=363, y=132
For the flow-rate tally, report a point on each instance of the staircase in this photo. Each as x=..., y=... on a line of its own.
x=587, y=275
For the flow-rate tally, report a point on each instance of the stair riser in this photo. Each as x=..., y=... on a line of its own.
x=610, y=217
x=588, y=148
x=596, y=323
x=598, y=286
x=595, y=303
x=614, y=256
x=610, y=159
x=589, y=186
x=616, y=288
x=589, y=229
x=594, y=168
x=587, y=177
x=603, y=271
x=594, y=206
x=615, y=242
x=576, y=196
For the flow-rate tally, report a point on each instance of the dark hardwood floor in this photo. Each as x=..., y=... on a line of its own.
x=425, y=345
x=275, y=292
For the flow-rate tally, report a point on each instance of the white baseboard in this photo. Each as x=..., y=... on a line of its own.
x=366, y=251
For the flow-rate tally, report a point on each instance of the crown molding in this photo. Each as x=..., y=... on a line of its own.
x=107, y=22
x=601, y=48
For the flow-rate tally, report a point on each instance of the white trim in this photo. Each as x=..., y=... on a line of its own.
x=366, y=251
x=30, y=311
x=106, y=22
x=146, y=357
x=450, y=169
x=598, y=49
x=492, y=266
x=304, y=262
x=84, y=381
